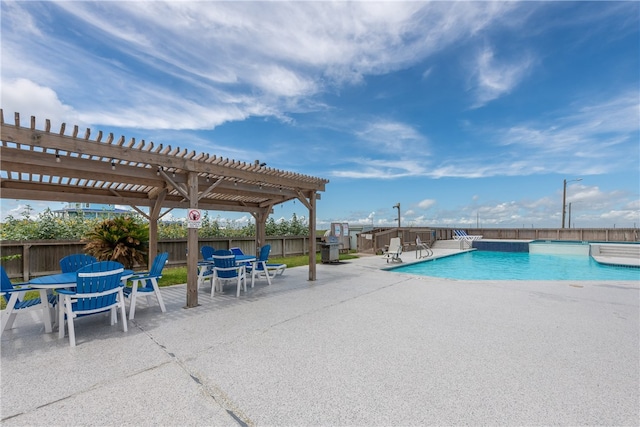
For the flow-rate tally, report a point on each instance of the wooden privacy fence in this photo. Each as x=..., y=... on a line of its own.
x=35, y=258
x=574, y=234
x=376, y=240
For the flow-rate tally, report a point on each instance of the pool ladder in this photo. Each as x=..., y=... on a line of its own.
x=427, y=251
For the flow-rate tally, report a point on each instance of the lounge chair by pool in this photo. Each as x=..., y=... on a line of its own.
x=394, y=251
x=462, y=235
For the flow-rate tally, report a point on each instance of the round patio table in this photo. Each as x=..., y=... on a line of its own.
x=45, y=284
x=239, y=259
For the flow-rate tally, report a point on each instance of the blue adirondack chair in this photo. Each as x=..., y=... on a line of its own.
x=225, y=268
x=147, y=283
x=13, y=295
x=262, y=268
x=207, y=252
x=236, y=251
x=74, y=262
x=98, y=289
x=205, y=268
x=205, y=272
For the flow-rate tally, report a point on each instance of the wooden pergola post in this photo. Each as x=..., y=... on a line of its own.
x=192, y=246
x=312, y=236
x=311, y=205
x=154, y=215
x=153, y=237
x=155, y=206
x=261, y=228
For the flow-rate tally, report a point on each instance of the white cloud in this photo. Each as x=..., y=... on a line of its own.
x=214, y=55
x=19, y=208
x=577, y=141
x=243, y=220
x=393, y=137
x=495, y=78
x=621, y=217
x=17, y=211
x=426, y=203
x=20, y=95
x=633, y=204
x=581, y=140
x=382, y=169
x=283, y=82
x=592, y=126
x=591, y=207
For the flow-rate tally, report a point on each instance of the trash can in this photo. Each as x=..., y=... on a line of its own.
x=330, y=250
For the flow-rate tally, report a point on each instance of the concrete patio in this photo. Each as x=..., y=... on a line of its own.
x=359, y=346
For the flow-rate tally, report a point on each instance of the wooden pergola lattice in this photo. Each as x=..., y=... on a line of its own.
x=44, y=165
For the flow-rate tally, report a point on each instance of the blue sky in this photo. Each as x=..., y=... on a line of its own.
x=465, y=113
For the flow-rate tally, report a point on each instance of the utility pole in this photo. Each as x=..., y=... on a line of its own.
x=564, y=197
x=397, y=205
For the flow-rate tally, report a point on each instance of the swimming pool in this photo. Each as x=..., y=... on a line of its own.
x=490, y=265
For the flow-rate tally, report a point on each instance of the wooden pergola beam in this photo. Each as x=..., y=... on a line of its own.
x=52, y=141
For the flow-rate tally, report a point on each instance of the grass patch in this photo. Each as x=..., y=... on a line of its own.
x=178, y=275
x=28, y=295
x=173, y=276
x=301, y=260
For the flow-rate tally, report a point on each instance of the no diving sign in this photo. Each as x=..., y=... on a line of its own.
x=194, y=218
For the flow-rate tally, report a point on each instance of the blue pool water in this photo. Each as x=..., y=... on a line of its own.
x=490, y=265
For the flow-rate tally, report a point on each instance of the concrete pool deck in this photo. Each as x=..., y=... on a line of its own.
x=359, y=346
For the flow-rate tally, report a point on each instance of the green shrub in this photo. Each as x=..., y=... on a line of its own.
x=48, y=226
x=121, y=239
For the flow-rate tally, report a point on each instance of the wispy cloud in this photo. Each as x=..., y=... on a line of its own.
x=367, y=168
x=584, y=139
x=224, y=61
x=392, y=137
x=386, y=150
x=585, y=135
x=579, y=140
x=426, y=203
x=495, y=78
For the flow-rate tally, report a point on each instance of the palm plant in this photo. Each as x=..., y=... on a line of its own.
x=121, y=239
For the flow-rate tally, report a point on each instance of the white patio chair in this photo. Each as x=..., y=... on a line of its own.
x=13, y=295
x=394, y=251
x=98, y=290
x=149, y=284
x=262, y=268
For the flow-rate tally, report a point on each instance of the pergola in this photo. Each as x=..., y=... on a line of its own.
x=40, y=164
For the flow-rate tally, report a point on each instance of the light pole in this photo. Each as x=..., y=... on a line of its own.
x=564, y=197
x=569, y=214
x=569, y=223
x=397, y=205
